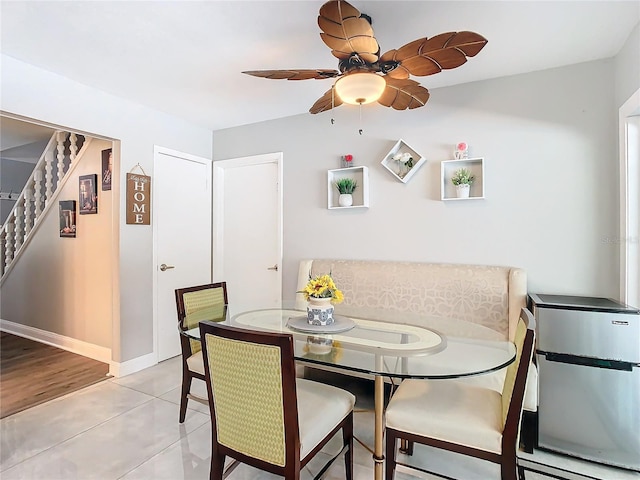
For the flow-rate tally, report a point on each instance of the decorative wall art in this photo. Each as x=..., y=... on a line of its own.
x=88, y=194
x=462, y=151
x=403, y=161
x=138, y=198
x=67, y=218
x=107, y=168
x=347, y=161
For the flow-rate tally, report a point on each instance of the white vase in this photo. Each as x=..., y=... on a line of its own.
x=462, y=190
x=345, y=200
x=319, y=311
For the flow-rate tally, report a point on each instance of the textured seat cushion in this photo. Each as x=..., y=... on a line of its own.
x=321, y=408
x=196, y=363
x=448, y=410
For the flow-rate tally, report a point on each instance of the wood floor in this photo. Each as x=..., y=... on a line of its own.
x=32, y=373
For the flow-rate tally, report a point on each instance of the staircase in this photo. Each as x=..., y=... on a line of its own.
x=39, y=194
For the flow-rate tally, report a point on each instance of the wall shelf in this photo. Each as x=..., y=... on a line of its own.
x=394, y=167
x=360, y=194
x=449, y=167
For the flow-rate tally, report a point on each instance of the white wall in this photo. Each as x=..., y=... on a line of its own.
x=70, y=277
x=627, y=68
x=37, y=94
x=549, y=143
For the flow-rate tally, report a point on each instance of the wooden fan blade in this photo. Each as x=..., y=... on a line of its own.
x=325, y=103
x=403, y=94
x=347, y=33
x=294, y=74
x=427, y=56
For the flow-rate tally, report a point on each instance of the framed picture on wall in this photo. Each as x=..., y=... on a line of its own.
x=88, y=194
x=67, y=218
x=107, y=168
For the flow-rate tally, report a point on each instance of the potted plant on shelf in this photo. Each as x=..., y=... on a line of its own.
x=321, y=293
x=345, y=187
x=462, y=179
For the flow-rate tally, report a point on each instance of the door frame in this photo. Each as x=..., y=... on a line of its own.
x=158, y=150
x=219, y=168
x=629, y=139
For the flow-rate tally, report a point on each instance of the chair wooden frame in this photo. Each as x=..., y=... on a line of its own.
x=293, y=462
x=185, y=344
x=507, y=459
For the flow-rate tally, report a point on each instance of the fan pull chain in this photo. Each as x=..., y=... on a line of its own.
x=360, y=129
x=332, y=103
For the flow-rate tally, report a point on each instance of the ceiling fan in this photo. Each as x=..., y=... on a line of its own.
x=365, y=76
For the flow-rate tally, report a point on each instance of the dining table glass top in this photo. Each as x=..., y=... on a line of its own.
x=412, y=346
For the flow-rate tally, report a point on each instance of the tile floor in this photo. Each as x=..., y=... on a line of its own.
x=128, y=429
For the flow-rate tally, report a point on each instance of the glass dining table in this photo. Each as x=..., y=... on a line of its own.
x=410, y=346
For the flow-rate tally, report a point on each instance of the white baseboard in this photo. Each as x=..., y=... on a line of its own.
x=96, y=352
x=101, y=354
x=132, y=366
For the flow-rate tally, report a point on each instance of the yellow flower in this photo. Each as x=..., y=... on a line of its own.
x=338, y=296
x=322, y=286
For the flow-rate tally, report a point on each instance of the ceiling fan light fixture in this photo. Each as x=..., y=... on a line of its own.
x=360, y=88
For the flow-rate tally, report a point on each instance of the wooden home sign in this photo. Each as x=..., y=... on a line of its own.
x=138, y=199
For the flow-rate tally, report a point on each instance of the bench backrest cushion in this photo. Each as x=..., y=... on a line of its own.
x=491, y=296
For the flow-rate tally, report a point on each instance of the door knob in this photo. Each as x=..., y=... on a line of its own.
x=164, y=267
x=275, y=267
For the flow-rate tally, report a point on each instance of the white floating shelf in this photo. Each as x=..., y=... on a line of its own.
x=449, y=167
x=360, y=194
x=399, y=171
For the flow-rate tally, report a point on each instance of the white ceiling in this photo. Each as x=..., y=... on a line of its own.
x=186, y=57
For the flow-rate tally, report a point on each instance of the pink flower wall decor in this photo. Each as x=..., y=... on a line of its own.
x=347, y=160
x=461, y=150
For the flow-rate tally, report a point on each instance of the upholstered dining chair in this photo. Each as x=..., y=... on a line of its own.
x=263, y=416
x=200, y=302
x=461, y=417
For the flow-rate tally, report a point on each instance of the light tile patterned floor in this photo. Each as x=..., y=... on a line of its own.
x=128, y=429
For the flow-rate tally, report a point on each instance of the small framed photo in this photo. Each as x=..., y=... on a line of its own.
x=88, y=194
x=67, y=218
x=107, y=168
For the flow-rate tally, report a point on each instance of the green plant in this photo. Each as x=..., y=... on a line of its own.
x=346, y=185
x=462, y=176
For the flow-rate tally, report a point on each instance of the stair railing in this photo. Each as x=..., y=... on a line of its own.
x=38, y=194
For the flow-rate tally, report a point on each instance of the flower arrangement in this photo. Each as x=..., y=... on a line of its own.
x=462, y=150
x=462, y=176
x=322, y=286
x=346, y=185
x=403, y=159
x=347, y=160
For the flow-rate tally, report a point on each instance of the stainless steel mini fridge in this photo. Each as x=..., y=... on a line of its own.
x=588, y=353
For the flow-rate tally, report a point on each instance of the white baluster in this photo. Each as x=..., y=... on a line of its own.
x=18, y=232
x=73, y=147
x=8, y=247
x=60, y=138
x=48, y=183
x=37, y=199
x=28, y=221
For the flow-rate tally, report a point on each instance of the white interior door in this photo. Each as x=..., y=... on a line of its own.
x=248, y=225
x=182, y=214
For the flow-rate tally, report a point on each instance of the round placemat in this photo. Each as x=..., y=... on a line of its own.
x=340, y=324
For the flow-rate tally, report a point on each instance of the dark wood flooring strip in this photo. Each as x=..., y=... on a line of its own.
x=32, y=373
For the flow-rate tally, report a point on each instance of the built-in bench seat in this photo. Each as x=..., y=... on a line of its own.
x=489, y=296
